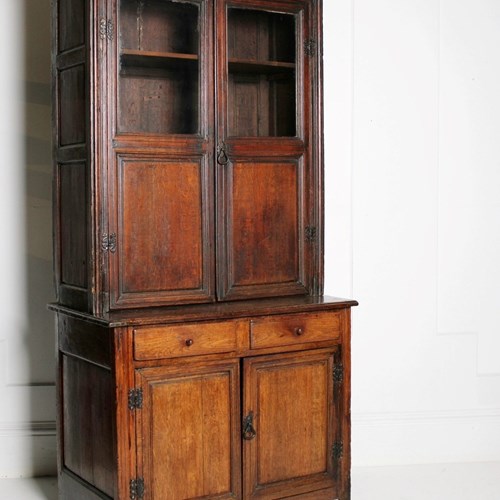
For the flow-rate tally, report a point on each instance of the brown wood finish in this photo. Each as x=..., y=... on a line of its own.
x=294, y=329
x=291, y=394
x=291, y=398
x=316, y=495
x=161, y=251
x=135, y=81
x=194, y=451
x=265, y=208
x=265, y=220
x=188, y=224
x=188, y=339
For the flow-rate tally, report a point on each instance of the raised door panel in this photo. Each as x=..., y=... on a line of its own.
x=295, y=418
x=264, y=243
x=188, y=435
x=162, y=250
x=268, y=172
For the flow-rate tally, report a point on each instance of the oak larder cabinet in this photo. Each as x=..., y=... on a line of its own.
x=197, y=357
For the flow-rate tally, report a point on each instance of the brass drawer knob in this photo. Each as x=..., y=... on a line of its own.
x=189, y=342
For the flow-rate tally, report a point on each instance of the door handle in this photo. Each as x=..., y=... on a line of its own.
x=249, y=431
x=222, y=158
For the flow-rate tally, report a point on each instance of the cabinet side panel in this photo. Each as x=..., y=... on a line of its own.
x=73, y=224
x=71, y=14
x=87, y=427
x=72, y=102
x=72, y=136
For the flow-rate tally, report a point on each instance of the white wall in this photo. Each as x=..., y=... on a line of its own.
x=413, y=225
x=413, y=215
x=27, y=430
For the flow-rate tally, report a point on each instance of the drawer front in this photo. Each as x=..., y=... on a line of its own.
x=187, y=340
x=295, y=329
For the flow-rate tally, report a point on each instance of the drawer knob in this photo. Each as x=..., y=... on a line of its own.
x=299, y=332
x=189, y=342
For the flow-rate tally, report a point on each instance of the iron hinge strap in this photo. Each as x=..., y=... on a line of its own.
x=108, y=242
x=338, y=373
x=136, y=488
x=310, y=47
x=135, y=399
x=311, y=234
x=106, y=29
x=337, y=450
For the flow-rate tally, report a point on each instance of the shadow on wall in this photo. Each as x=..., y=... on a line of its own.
x=39, y=338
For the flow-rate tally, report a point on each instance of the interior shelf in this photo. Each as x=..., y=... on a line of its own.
x=151, y=59
x=253, y=66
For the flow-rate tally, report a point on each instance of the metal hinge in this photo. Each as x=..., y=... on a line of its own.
x=338, y=373
x=108, y=242
x=337, y=450
x=310, y=47
x=135, y=399
x=136, y=488
x=311, y=234
x=106, y=29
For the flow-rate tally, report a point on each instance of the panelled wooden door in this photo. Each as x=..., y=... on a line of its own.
x=188, y=432
x=161, y=181
x=292, y=406
x=264, y=162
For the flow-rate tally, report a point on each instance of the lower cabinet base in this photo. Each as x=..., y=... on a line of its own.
x=221, y=404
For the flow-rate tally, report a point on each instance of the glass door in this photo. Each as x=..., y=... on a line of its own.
x=261, y=68
x=264, y=161
x=159, y=55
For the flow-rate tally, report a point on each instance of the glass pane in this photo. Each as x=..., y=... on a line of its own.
x=159, y=67
x=261, y=73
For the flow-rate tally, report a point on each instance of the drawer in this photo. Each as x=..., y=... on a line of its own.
x=295, y=329
x=187, y=339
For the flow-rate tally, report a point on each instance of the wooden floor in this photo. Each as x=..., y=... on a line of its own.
x=423, y=482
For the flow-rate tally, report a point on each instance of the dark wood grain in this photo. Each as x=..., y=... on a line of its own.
x=72, y=101
x=163, y=252
x=87, y=392
x=71, y=15
x=216, y=311
x=87, y=341
x=263, y=246
x=73, y=223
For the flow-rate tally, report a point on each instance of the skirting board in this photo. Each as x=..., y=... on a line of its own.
x=380, y=439
x=28, y=449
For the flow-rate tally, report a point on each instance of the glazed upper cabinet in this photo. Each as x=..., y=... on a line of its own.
x=188, y=147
